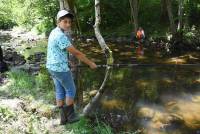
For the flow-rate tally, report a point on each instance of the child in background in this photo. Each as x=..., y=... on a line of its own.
x=140, y=37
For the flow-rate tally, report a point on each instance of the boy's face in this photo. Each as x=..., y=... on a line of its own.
x=65, y=24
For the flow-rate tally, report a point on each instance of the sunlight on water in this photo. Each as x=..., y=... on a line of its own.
x=172, y=114
x=113, y=104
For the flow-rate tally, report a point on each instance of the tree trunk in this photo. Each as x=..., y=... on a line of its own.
x=64, y=4
x=79, y=84
x=134, y=4
x=91, y=106
x=180, y=15
x=131, y=7
x=171, y=17
x=77, y=20
x=163, y=10
x=70, y=5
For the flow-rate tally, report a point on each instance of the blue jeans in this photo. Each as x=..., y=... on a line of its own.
x=64, y=84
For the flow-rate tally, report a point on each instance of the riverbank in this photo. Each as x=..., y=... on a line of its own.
x=27, y=105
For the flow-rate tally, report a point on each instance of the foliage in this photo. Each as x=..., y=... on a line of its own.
x=6, y=20
x=43, y=79
x=116, y=16
x=29, y=13
x=21, y=81
x=25, y=85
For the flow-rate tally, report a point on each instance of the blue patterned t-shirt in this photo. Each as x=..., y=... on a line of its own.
x=57, y=59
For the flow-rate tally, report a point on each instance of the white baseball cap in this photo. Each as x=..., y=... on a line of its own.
x=62, y=13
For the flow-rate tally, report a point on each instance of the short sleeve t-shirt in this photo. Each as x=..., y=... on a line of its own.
x=57, y=59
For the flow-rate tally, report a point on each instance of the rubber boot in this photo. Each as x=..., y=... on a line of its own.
x=63, y=117
x=70, y=114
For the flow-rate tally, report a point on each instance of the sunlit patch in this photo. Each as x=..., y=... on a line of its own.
x=119, y=76
x=153, y=117
x=141, y=57
x=196, y=99
x=126, y=53
x=187, y=107
x=86, y=97
x=183, y=59
x=95, y=50
x=197, y=81
x=96, y=60
x=184, y=108
x=142, y=83
x=116, y=50
x=189, y=56
x=176, y=60
x=92, y=93
x=167, y=80
x=113, y=104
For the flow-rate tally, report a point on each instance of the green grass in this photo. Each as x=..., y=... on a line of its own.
x=38, y=46
x=23, y=85
x=86, y=126
x=6, y=114
x=40, y=87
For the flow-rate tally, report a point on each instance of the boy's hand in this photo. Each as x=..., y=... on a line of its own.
x=93, y=65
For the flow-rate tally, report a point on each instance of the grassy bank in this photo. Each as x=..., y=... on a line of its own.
x=37, y=114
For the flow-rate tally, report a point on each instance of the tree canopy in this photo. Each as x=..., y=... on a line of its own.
x=116, y=15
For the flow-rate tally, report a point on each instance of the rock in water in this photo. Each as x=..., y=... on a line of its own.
x=3, y=65
x=13, y=58
x=36, y=57
x=1, y=54
x=93, y=93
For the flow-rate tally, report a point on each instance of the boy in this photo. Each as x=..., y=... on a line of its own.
x=57, y=64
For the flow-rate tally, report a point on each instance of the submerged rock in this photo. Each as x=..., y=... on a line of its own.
x=173, y=114
x=93, y=93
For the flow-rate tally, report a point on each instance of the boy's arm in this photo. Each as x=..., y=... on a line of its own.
x=79, y=55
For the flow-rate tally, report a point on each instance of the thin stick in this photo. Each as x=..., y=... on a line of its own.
x=140, y=65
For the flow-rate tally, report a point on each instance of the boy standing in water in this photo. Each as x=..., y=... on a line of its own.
x=57, y=64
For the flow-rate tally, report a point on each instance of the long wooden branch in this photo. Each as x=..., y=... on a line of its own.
x=91, y=106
